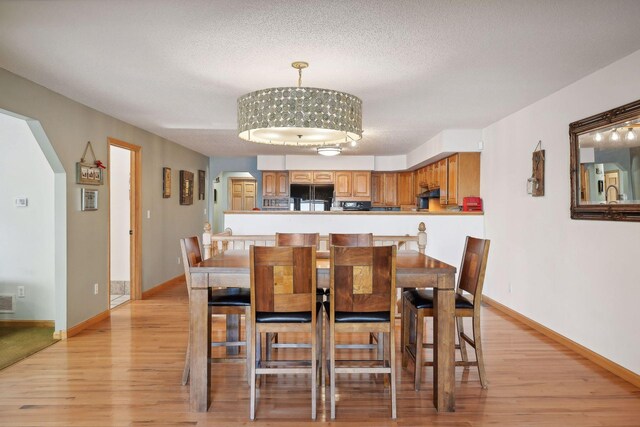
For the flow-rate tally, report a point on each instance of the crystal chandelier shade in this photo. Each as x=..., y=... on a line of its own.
x=299, y=116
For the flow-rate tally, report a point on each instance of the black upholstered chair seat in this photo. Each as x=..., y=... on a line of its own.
x=235, y=297
x=423, y=298
x=358, y=317
x=285, y=317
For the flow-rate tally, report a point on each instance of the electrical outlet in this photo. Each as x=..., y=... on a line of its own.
x=95, y=289
x=20, y=291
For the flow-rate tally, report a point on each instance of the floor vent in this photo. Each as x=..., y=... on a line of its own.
x=7, y=303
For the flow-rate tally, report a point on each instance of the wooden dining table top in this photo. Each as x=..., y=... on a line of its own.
x=408, y=263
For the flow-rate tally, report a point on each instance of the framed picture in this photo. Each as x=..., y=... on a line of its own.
x=88, y=199
x=186, y=188
x=88, y=174
x=201, y=184
x=166, y=183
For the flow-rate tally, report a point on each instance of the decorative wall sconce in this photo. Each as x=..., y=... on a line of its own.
x=535, y=184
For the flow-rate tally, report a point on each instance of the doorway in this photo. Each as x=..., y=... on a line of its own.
x=242, y=194
x=612, y=185
x=124, y=222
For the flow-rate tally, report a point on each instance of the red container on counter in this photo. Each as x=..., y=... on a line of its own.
x=472, y=204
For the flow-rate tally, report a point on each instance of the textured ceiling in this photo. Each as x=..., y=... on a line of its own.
x=176, y=68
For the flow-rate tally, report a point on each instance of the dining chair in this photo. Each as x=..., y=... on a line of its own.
x=231, y=302
x=294, y=239
x=283, y=288
x=419, y=303
x=357, y=240
x=362, y=299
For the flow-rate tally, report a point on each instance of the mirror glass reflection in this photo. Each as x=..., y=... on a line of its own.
x=610, y=164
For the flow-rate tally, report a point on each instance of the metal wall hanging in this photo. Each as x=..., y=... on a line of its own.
x=535, y=184
x=166, y=183
x=186, y=188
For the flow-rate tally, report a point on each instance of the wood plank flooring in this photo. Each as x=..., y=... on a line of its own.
x=126, y=371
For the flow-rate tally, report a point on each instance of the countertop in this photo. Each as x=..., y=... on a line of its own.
x=387, y=213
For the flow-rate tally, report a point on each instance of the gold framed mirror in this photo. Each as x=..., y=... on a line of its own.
x=605, y=165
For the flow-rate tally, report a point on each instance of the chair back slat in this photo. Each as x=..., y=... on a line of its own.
x=283, y=279
x=363, y=278
x=191, y=255
x=298, y=239
x=474, y=264
x=365, y=239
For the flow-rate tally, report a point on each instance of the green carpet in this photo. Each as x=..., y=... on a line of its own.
x=16, y=343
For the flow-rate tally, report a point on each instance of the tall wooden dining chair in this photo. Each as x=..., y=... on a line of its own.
x=357, y=240
x=283, y=288
x=363, y=299
x=419, y=303
x=227, y=301
x=294, y=239
x=353, y=240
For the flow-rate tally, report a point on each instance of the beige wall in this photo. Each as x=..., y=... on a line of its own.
x=69, y=125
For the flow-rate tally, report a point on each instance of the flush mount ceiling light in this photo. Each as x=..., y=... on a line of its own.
x=329, y=150
x=300, y=116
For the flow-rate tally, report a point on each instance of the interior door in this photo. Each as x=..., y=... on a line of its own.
x=242, y=194
x=612, y=185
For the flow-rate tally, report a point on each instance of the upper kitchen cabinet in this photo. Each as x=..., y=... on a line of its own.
x=353, y=185
x=461, y=178
x=384, y=189
x=311, y=177
x=406, y=195
x=301, y=177
x=275, y=184
x=323, y=177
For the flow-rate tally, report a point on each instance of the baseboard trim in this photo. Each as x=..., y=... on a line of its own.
x=84, y=325
x=28, y=323
x=162, y=286
x=614, y=368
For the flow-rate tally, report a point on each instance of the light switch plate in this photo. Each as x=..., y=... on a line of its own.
x=21, y=202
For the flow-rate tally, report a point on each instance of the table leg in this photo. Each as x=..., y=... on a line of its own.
x=200, y=349
x=444, y=349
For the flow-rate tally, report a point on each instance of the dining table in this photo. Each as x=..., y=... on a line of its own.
x=413, y=270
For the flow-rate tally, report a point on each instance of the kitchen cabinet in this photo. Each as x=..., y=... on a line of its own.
x=405, y=189
x=462, y=178
x=301, y=177
x=323, y=177
x=343, y=184
x=275, y=184
x=384, y=189
x=311, y=177
x=354, y=185
x=442, y=179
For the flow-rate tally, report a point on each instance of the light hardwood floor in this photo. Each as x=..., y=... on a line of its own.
x=126, y=371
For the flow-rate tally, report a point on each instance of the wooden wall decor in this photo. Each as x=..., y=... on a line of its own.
x=186, y=188
x=201, y=184
x=166, y=183
x=537, y=173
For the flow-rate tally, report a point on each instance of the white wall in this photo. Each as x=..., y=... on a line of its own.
x=120, y=207
x=578, y=278
x=27, y=242
x=445, y=233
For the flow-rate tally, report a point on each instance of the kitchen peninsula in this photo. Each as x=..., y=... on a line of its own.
x=446, y=230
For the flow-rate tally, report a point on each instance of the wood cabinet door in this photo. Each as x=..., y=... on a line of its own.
x=249, y=196
x=452, y=180
x=269, y=184
x=323, y=177
x=377, y=189
x=361, y=184
x=282, y=184
x=343, y=184
x=406, y=195
x=442, y=180
x=390, y=189
x=429, y=180
x=301, y=177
